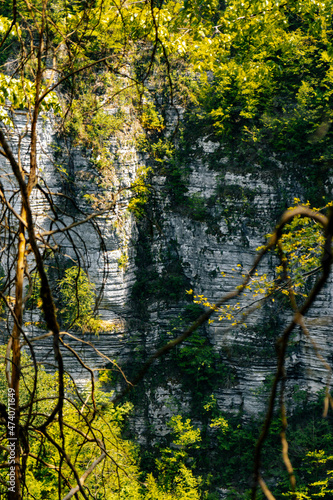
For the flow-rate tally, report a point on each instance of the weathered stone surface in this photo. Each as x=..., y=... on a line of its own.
x=204, y=250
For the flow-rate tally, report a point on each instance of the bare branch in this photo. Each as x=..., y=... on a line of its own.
x=84, y=476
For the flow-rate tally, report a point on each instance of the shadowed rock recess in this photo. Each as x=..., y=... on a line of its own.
x=182, y=243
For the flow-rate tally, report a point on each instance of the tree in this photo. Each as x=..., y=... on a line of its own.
x=270, y=98
x=56, y=45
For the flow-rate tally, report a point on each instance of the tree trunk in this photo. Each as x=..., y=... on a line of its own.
x=16, y=357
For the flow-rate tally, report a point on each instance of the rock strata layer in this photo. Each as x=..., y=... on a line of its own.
x=212, y=235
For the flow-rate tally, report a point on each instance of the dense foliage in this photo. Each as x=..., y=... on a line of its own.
x=119, y=474
x=269, y=97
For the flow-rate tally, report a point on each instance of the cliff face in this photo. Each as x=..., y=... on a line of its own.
x=142, y=270
x=216, y=229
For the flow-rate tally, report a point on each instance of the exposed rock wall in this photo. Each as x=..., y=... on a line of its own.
x=204, y=253
x=204, y=244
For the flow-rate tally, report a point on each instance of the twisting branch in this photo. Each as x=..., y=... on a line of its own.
x=282, y=342
x=46, y=294
x=12, y=24
x=286, y=218
x=84, y=476
x=88, y=369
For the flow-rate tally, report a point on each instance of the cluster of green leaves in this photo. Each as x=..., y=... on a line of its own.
x=223, y=456
x=43, y=459
x=150, y=118
x=17, y=94
x=300, y=253
x=302, y=243
x=77, y=299
x=269, y=95
x=118, y=475
x=310, y=450
x=316, y=465
x=175, y=480
x=201, y=367
x=169, y=161
x=89, y=125
x=227, y=447
x=140, y=190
